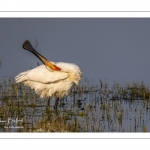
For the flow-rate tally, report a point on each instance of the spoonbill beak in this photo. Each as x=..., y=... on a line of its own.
x=27, y=46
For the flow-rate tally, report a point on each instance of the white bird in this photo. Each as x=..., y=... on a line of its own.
x=51, y=79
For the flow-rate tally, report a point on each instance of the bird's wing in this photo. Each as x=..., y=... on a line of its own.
x=42, y=75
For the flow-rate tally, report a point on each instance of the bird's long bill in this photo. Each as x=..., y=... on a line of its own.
x=27, y=46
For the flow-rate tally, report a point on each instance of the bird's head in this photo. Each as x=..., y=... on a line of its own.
x=74, y=72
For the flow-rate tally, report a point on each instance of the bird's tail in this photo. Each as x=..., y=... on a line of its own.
x=21, y=77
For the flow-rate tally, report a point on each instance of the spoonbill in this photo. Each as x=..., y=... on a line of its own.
x=51, y=79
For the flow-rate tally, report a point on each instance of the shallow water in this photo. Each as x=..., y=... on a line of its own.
x=86, y=109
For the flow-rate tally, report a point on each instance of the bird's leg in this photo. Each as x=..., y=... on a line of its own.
x=48, y=102
x=56, y=103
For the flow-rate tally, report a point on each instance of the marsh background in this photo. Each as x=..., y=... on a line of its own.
x=113, y=50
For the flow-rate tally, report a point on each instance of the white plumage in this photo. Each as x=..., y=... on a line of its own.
x=51, y=79
x=49, y=83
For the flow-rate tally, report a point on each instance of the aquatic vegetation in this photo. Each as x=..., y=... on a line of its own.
x=88, y=108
